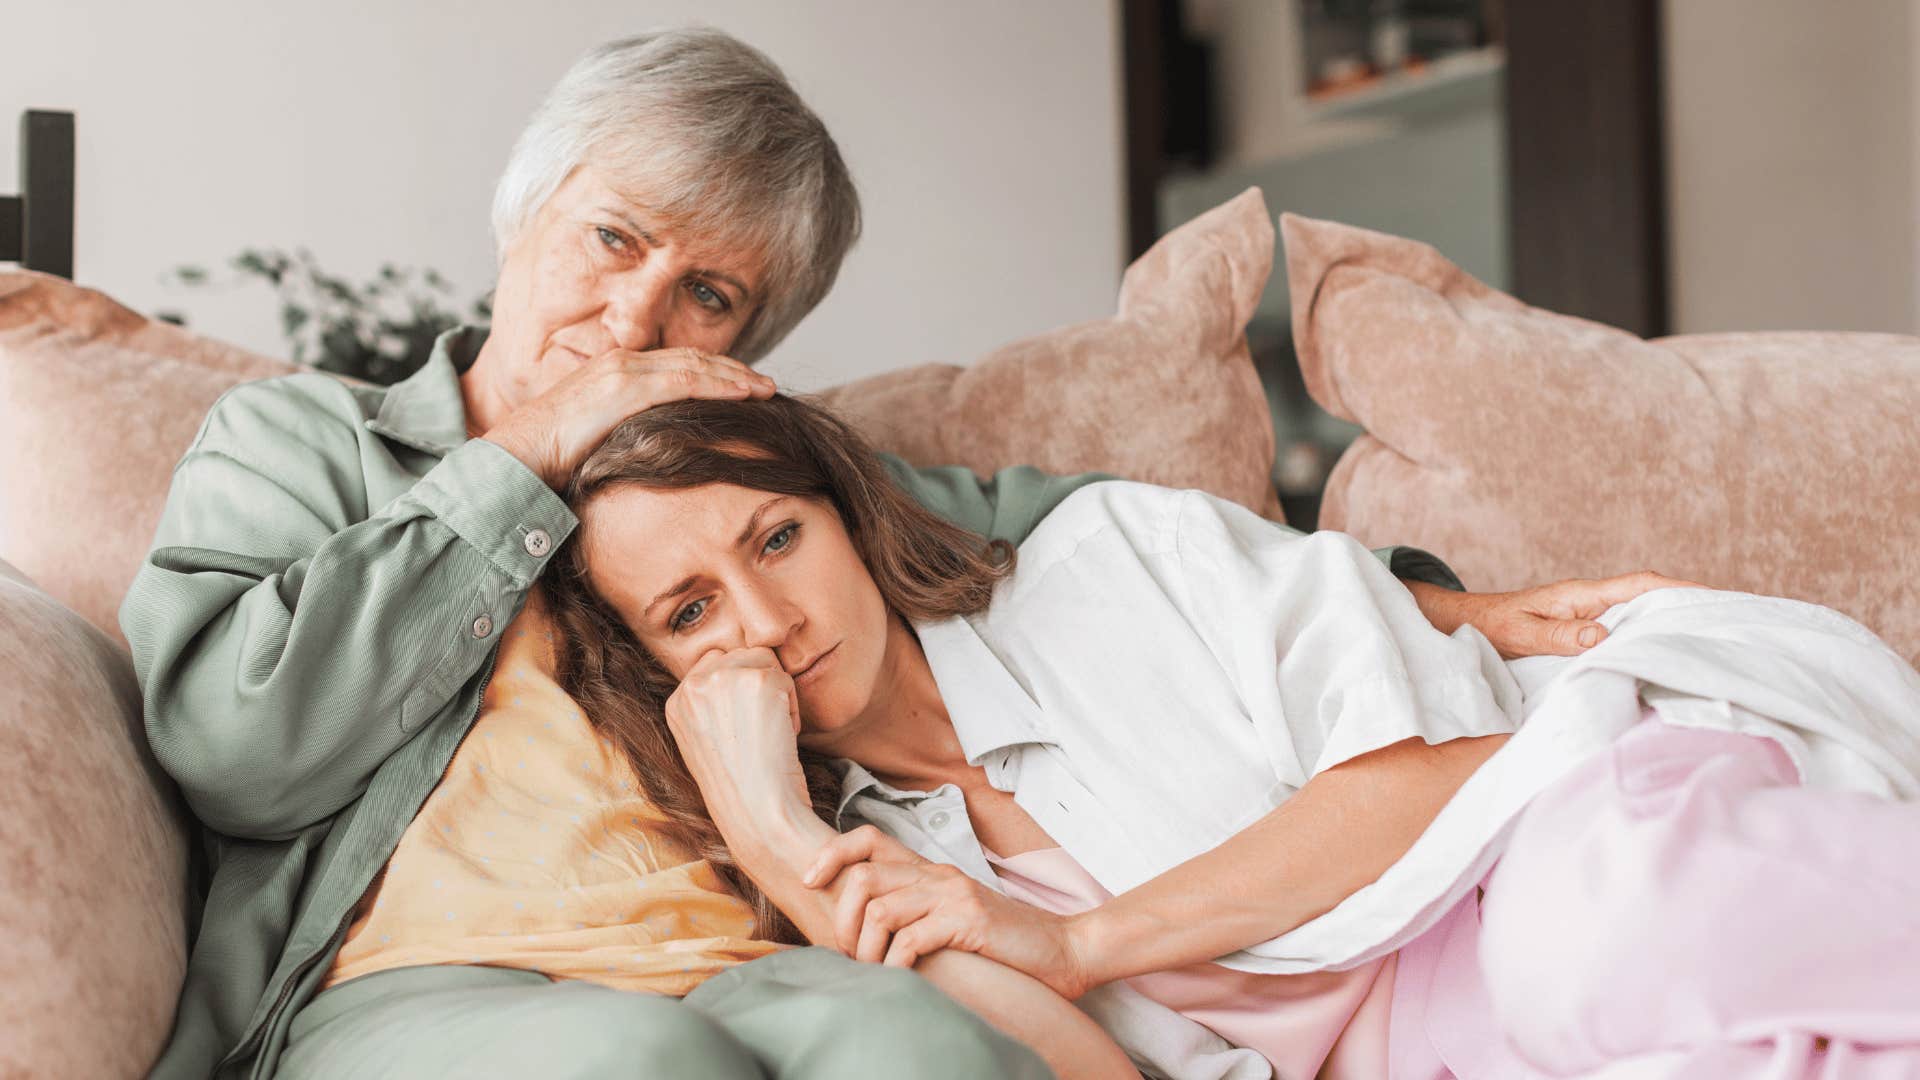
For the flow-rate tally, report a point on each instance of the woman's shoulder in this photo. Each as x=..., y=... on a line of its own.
x=1149, y=520
x=309, y=408
x=1145, y=516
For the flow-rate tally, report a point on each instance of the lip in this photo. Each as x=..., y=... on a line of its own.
x=812, y=671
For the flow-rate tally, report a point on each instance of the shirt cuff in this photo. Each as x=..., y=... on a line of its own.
x=1413, y=564
x=490, y=499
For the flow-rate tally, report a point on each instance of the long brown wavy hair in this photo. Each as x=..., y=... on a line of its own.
x=924, y=566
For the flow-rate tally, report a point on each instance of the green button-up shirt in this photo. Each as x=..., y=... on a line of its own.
x=313, y=631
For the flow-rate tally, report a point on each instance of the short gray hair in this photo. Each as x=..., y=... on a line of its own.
x=719, y=143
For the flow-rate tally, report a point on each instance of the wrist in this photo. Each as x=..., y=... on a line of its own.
x=1447, y=609
x=1087, y=937
x=783, y=834
x=506, y=440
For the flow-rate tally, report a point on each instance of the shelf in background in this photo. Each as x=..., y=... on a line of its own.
x=1434, y=86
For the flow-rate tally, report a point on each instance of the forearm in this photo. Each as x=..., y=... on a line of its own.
x=774, y=845
x=1338, y=833
x=776, y=849
x=1445, y=608
x=284, y=650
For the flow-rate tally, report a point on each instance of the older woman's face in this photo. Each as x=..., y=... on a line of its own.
x=721, y=567
x=595, y=270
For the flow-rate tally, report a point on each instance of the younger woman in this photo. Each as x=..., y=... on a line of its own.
x=1173, y=736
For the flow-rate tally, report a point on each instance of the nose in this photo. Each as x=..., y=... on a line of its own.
x=636, y=312
x=768, y=619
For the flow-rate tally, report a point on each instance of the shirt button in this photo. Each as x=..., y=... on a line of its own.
x=939, y=820
x=539, y=543
x=483, y=626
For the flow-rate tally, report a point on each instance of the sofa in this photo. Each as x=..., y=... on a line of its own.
x=1519, y=445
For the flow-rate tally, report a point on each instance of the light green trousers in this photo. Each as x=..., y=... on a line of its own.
x=802, y=1014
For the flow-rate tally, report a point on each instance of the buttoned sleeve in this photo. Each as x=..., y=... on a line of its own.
x=288, y=637
x=1330, y=654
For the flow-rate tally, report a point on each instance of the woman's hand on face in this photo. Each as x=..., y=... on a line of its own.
x=552, y=433
x=1557, y=619
x=736, y=718
x=896, y=907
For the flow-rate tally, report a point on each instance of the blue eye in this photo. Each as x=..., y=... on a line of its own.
x=687, y=616
x=613, y=240
x=708, y=296
x=783, y=539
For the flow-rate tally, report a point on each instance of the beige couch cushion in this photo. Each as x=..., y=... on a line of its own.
x=1523, y=446
x=97, y=402
x=1164, y=391
x=92, y=853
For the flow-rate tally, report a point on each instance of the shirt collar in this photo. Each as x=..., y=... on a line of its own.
x=990, y=709
x=425, y=410
x=855, y=781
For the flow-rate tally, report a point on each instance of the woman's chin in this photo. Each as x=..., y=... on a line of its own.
x=818, y=727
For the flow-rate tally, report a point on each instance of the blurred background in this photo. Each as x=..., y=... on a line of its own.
x=1667, y=166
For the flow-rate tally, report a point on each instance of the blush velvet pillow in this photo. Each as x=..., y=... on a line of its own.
x=93, y=852
x=1523, y=446
x=97, y=402
x=1163, y=391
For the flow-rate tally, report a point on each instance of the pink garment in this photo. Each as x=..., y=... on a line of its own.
x=1679, y=906
x=1330, y=1024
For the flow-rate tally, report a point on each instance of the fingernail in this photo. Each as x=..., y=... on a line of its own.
x=1589, y=635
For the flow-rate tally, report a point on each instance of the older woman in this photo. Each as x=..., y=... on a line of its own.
x=324, y=606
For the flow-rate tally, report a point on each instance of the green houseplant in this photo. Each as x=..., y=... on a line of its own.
x=379, y=330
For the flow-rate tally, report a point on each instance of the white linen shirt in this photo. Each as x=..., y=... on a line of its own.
x=1163, y=668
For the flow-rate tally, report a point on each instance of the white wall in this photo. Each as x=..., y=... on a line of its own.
x=984, y=136
x=1791, y=154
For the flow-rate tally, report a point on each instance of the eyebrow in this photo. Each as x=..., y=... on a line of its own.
x=746, y=294
x=686, y=583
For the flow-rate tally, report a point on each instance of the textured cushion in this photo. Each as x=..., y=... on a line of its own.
x=97, y=402
x=92, y=853
x=1164, y=391
x=1523, y=446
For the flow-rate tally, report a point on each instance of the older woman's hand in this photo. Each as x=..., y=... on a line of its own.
x=1546, y=620
x=897, y=907
x=553, y=432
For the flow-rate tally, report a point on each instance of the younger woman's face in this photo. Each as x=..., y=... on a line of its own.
x=719, y=567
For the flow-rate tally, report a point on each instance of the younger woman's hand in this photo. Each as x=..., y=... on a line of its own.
x=735, y=717
x=897, y=907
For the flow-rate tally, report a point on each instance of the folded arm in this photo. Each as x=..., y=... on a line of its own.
x=1337, y=834
x=776, y=840
x=287, y=641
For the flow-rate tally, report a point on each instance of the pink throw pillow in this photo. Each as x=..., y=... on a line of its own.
x=1523, y=446
x=97, y=403
x=1164, y=391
